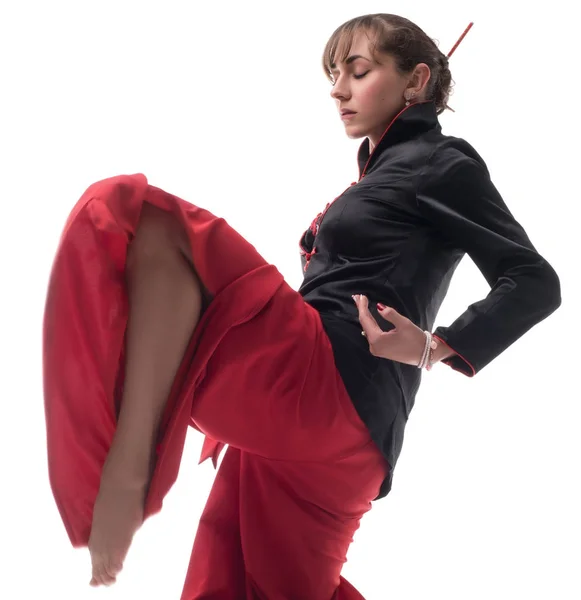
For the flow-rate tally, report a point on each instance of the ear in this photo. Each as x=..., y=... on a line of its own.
x=419, y=80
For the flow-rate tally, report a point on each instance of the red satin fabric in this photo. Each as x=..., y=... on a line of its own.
x=258, y=375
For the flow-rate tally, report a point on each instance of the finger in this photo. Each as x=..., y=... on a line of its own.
x=370, y=327
x=391, y=315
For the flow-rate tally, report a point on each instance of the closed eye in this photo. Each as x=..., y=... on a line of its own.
x=333, y=81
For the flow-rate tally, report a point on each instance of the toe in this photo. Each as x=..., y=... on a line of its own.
x=100, y=575
x=112, y=569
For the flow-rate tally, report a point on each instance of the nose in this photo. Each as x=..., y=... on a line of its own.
x=340, y=90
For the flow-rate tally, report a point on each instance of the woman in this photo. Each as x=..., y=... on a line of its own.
x=160, y=316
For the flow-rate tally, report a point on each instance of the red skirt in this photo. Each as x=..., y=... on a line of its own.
x=258, y=376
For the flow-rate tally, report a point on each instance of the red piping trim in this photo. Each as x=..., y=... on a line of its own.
x=424, y=102
x=447, y=360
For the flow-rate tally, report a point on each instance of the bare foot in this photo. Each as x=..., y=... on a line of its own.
x=118, y=514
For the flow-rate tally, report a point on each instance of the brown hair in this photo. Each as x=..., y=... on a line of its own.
x=404, y=41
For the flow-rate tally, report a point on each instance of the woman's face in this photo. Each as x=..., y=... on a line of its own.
x=373, y=91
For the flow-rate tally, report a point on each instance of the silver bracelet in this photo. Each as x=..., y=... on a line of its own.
x=433, y=346
x=426, y=354
x=430, y=356
x=428, y=351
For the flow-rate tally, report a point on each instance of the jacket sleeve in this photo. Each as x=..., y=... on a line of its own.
x=457, y=198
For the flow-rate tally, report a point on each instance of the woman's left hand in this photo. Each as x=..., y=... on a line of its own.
x=403, y=344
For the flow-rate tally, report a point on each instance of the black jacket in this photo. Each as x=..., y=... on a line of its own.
x=423, y=201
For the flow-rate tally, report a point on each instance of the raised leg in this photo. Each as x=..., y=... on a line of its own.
x=165, y=303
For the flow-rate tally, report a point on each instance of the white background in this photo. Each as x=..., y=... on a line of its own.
x=225, y=104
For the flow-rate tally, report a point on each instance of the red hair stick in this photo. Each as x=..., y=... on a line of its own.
x=460, y=40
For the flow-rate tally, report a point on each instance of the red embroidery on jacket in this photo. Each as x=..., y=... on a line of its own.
x=315, y=226
x=308, y=256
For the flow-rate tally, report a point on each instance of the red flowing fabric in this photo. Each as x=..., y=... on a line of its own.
x=301, y=469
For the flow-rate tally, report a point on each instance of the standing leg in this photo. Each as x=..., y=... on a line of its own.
x=216, y=568
x=280, y=530
x=165, y=302
x=298, y=519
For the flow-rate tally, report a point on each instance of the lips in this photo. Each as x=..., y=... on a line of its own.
x=346, y=112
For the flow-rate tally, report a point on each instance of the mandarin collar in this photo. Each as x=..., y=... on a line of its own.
x=412, y=121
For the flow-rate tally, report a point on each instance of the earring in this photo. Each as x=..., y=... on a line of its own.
x=407, y=100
